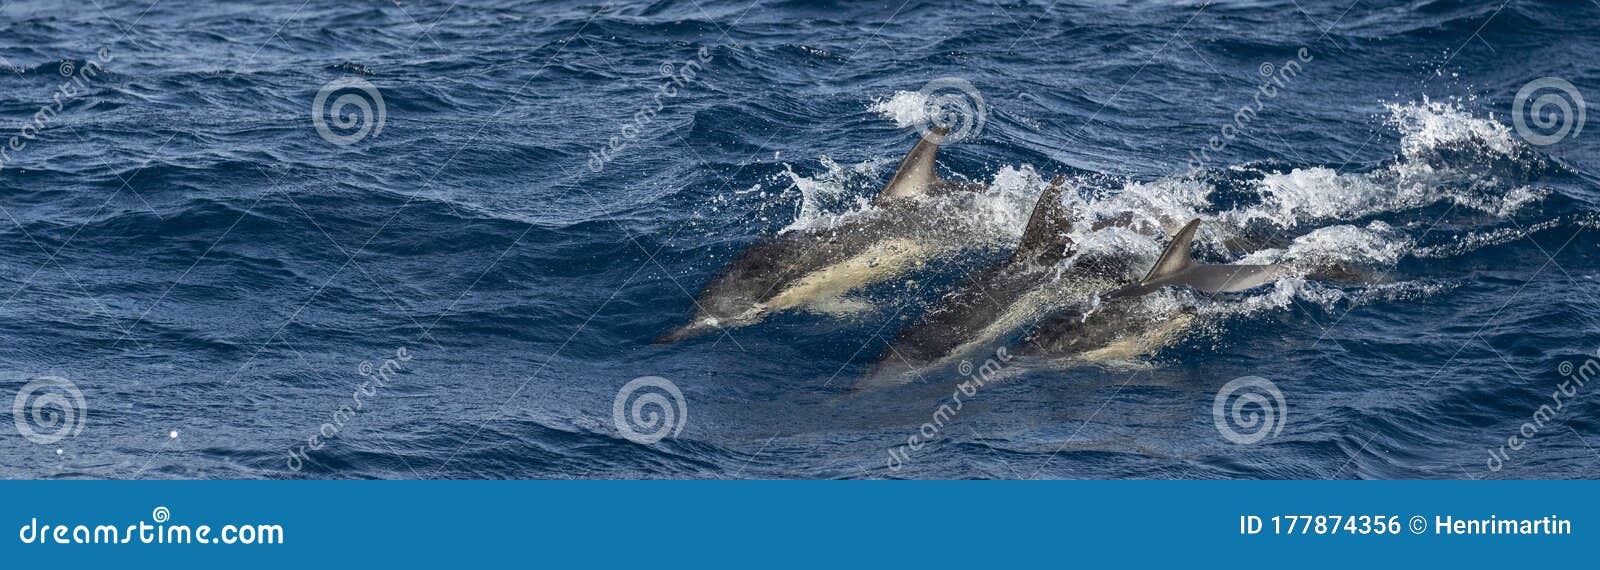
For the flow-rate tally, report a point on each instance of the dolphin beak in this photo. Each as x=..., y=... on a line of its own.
x=684, y=332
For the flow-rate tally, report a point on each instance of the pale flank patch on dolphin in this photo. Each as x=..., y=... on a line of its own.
x=1019, y=314
x=1143, y=343
x=816, y=269
x=823, y=290
x=840, y=307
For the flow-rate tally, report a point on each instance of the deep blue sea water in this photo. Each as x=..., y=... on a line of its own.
x=210, y=272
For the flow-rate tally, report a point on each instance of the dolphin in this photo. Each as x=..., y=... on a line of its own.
x=815, y=269
x=992, y=302
x=1118, y=327
x=1074, y=309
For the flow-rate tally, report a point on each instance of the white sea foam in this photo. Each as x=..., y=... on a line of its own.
x=1415, y=179
x=905, y=108
x=993, y=217
x=833, y=195
x=1432, y=125
x=1377, y=244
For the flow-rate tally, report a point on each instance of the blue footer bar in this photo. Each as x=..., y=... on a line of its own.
x=790, y=524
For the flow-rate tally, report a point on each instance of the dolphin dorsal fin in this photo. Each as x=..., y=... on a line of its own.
x=1045, y=240
x=916, y=175
x=1176, y=257
x=1176, y=267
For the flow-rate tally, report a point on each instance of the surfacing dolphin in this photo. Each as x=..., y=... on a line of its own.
x=1119, y=328
x=1080, y=310
x=990, y=303
x=816, y=268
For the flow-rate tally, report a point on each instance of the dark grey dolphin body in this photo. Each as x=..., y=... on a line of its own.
x=816, y=268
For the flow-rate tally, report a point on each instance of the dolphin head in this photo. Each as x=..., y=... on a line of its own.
x=714, y=313
x=702, y=323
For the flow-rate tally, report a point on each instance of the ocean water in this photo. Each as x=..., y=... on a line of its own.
x=216, y=236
